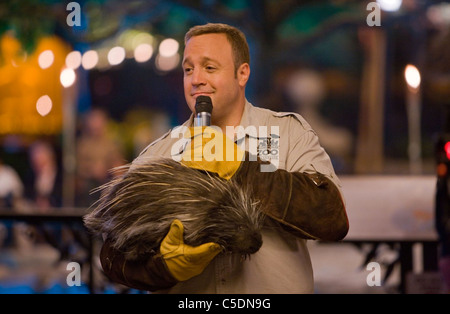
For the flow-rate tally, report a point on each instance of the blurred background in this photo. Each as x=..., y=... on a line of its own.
x=86, y=85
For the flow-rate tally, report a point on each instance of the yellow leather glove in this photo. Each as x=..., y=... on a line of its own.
x=182, y=260
x=212, y=151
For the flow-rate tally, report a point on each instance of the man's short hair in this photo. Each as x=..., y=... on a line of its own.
x=236, y=38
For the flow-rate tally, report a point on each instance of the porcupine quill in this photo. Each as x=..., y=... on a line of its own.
x=136, y=209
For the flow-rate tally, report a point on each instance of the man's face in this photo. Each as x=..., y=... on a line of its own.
x=209, y=70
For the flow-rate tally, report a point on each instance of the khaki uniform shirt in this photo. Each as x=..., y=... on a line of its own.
x=282, y=264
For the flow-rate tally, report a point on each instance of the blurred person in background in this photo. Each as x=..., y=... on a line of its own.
x=11, y=186
x=97, y=153
x=44, y=180
x=43, y=190
x=11, y=198
x=307, y=90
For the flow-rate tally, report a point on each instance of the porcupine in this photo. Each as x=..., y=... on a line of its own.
x=137, y=208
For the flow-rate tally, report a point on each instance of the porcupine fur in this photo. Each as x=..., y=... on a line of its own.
x=136, y=209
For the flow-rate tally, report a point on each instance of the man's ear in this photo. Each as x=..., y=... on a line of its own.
x=243, y=74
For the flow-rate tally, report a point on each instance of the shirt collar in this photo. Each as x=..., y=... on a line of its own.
x=245, y=119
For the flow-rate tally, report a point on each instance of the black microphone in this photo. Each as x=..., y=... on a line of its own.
x=203, y=109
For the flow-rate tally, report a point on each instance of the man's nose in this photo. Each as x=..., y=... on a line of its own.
x=198, y=77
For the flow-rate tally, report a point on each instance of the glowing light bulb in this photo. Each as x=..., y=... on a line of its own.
x=143, y=52
x=390, y=5
x=168, y=47
x=412, y=76
x=89, y=59
x=73, y=60
x=44, y=105
x=166, y=64
x=67, y=77
x=116, y=55
x=45, y=59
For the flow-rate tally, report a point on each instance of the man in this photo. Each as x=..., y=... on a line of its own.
x=301, y=194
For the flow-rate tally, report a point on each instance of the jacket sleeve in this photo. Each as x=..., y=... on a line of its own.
x=308, y=205
x=151, y=274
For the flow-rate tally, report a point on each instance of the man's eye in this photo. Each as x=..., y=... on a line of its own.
x=210, y=68
x=187, y=70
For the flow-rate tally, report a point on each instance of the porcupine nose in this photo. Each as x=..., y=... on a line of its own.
x=256, y=243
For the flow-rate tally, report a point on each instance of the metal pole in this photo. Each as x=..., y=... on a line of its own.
x=69, y=144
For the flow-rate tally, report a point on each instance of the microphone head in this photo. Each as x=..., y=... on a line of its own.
x=203, y=104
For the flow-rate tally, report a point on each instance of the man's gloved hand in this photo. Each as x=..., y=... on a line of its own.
x=212, y=151
x=182, y=260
